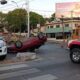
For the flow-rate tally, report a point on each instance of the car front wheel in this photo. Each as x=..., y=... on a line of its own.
x=2, y=57
x=75, y=55
x=18, y=44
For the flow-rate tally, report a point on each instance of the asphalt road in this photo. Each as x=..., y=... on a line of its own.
x=53, y=63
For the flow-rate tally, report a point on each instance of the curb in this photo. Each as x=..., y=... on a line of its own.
x=54, y=41
x=19, y=59
x=63, y=44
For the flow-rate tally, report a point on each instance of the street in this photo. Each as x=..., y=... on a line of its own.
x=53, y=63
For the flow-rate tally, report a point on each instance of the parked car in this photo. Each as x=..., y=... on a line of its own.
x=3, y=48
x=74, y=46
x=30, y=44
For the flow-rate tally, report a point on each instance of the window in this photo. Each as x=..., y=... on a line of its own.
x=51, y=26
x=66, y=25
x=57, y=26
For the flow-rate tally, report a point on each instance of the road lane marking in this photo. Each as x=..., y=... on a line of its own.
x=18, y=73
x=44, y=77
x=13, y=67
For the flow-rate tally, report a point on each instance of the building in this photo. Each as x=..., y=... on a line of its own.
x=34, y=32
x=61, y=28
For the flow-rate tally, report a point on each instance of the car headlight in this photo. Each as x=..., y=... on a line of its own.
x=2, y=44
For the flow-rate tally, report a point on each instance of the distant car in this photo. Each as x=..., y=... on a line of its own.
x=3, y=48
x=74, y=46
x=30, y=44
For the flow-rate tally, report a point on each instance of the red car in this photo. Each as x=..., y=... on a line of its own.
x=29, y=45
x=74, y=46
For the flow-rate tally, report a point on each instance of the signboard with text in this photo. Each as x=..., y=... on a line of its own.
x=68, y=9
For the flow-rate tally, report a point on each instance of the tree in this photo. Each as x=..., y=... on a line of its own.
x=16, y=19
x=36, y=19
x=52, y=17
x=3, y=22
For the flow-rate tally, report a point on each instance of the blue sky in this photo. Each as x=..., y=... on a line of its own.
x=44, y=7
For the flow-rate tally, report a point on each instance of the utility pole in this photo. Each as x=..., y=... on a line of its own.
x=62, y=26
x=72, y=23
x=63, y=35
x=17, y=7
x=28, y=19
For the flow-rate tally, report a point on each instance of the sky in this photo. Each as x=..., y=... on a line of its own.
x=43, y=7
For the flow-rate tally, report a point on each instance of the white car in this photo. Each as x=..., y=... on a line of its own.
x=3, y=48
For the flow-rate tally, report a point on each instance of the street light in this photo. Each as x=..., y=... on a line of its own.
x=27, y=17
x=3, y=2
x=15, y=3
x=17, y=7
x=27, y=7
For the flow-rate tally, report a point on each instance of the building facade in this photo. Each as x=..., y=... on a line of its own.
x=61, y=29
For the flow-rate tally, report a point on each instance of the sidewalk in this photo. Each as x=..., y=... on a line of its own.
x=62, y=42
x=56, y=40
x=19, y=58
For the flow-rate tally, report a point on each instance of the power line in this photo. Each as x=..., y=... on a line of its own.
x=41, y=10
x=31, y=0
x=5, y=8
x=30, y=9
x=19, y=2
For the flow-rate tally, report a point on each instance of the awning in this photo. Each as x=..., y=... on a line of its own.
x=56, y=30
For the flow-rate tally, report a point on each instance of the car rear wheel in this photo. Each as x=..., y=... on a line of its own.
x=75, y=55
x=40, y=35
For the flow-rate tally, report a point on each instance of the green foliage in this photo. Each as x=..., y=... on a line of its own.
x=3, y=21
x=17, y=18
x=52, y=17
x=36, y=19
